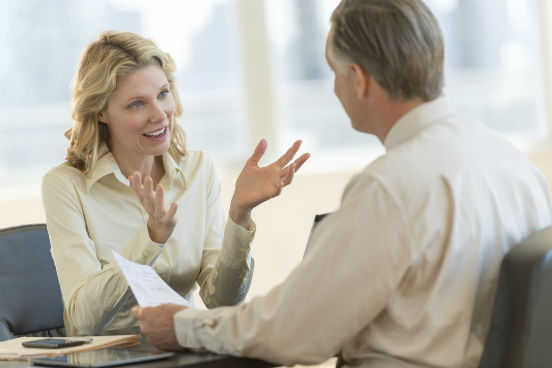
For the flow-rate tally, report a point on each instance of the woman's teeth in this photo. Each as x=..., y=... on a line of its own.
x=156, y=133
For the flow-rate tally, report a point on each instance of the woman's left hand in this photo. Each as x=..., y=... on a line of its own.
x=257, y=184
x=162, y=219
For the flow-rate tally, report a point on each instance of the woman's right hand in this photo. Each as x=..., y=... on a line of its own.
x=162, y=220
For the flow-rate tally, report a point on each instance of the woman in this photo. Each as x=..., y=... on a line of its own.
x=129, y=185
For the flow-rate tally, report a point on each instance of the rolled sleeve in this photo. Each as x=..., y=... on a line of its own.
x=228, y=276
x=237, y=244
x=185, y=323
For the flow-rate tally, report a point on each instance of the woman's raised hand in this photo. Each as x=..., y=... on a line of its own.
x=162, y=220
x=257, y=184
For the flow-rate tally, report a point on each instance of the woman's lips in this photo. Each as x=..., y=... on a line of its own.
x=157, y=134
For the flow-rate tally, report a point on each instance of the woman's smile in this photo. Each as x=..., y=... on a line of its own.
x=157, y=135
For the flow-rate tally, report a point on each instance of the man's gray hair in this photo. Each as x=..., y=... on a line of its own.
x=398, y=41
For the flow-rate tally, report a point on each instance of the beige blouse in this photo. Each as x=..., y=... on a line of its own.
x=89, y=216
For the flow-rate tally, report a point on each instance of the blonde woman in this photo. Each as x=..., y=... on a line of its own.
x=129, y=184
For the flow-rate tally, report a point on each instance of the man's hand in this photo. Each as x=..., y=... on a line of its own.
x=157, y=325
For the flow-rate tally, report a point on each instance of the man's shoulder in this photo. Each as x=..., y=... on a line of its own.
x=417, y=167
x=445, y=145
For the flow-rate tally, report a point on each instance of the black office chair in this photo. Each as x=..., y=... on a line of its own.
x=30, y=298
x=520, y=335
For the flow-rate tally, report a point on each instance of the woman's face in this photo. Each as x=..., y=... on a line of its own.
x=139, y=115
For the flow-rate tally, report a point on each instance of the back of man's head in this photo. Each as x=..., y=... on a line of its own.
x=398, y=41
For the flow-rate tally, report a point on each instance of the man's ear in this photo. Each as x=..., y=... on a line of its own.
x=361, y=80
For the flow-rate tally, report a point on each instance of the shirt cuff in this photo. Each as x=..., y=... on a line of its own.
x=237, y=244
x=185, y=323
x=141, y=249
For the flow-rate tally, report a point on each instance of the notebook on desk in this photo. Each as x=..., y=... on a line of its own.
x=13, y=349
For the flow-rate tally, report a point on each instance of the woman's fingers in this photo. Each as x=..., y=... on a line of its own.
x=301, y=160
x=258, y=153
x=288, y=156
x=161, y=221
x=289, y=171
x=148, y=196
x=136, y=184
x=159, y=202
x=172, y=210
x=152, y=201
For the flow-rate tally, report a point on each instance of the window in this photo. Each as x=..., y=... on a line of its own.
x=493, y=73
x=306, y=105
x=493, y=70
x=493, y=63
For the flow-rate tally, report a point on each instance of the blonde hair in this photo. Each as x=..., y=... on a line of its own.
x=398, y=41
x=104, y=62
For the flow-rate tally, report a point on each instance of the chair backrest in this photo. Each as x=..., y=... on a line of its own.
x=521, y=327
x=30, y=298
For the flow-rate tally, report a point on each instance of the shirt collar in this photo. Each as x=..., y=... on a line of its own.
x=417, y=119
x=172, y=170
x=107, y=165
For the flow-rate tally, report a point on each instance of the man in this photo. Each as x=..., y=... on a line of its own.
x=404, y=273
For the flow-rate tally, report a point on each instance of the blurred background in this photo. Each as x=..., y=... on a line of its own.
x=251, y=69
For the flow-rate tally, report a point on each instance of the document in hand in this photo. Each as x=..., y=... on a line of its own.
x=148, y=287
x=12, y=349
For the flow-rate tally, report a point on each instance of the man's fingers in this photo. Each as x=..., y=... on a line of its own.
x=258, y=153
x=136, y=312
x=286, y=157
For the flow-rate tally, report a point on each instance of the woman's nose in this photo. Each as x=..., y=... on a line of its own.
x=157, y=112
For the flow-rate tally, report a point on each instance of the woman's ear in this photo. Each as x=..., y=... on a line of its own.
x=361, y=80
x=102, y=117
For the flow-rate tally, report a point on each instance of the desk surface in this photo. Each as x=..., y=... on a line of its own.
x=180, y=360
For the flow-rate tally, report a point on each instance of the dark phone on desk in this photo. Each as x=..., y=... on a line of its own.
x=52, y=343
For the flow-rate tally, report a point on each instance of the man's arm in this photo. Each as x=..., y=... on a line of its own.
x=355, y=262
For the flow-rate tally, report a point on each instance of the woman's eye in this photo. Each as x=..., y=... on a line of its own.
x=136, y=103
x=164, y=93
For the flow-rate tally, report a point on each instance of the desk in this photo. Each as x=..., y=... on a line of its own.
x=180, y=360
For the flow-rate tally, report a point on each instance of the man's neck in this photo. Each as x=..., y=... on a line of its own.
x=391, y=112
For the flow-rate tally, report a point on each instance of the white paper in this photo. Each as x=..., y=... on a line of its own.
x=148, y=287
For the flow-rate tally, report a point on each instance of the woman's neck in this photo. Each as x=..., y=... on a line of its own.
x=147, y=166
